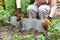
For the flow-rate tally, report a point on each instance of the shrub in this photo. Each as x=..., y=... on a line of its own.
x=4, y=16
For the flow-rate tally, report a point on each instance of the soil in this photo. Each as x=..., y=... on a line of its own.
x=8, y=31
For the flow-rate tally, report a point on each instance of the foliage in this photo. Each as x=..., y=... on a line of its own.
x=10, y=6
x=32, y=1
x=29, y=37
x=5, y=38
x=16, y=37
x=24, y=5
x=4, y=16
x=54, y=30
x=40, y=37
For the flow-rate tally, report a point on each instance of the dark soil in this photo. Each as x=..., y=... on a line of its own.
x=10, y=30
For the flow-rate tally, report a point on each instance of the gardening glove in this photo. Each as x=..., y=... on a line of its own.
x=46, y=22
x=20, y=16
x=18, y=13
x=49, y=18
x=19, y=10
x=54, y=16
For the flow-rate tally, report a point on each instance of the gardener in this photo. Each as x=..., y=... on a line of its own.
x=45, y=9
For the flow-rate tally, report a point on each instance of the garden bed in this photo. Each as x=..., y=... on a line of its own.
x=12, y=33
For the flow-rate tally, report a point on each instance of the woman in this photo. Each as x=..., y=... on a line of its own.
x=45, y=8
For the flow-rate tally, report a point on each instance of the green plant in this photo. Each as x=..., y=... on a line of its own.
x=24, y=5
x=54, y=31
x=40, y=37
x=4, y=16
x=10, y=6
x=29, y=37
x=16, y=37
x=5, y=38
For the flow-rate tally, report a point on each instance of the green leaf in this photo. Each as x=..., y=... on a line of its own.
x=4, y=16
x=10, y=6
x=40, y=37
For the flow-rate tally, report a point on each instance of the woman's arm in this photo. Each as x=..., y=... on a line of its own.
x=53, y=8
x=18, y=3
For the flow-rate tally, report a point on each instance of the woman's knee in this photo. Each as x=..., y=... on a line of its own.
x=32, y=8
x=44, y=11
x=44, y=8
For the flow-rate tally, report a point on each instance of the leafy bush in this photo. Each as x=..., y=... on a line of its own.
x=5, y=38
x=24, y=5
x=29, y=37
x=40, y=37
x=10, y=6
x=16, y=37
x=54, y=31
x=4, y=16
